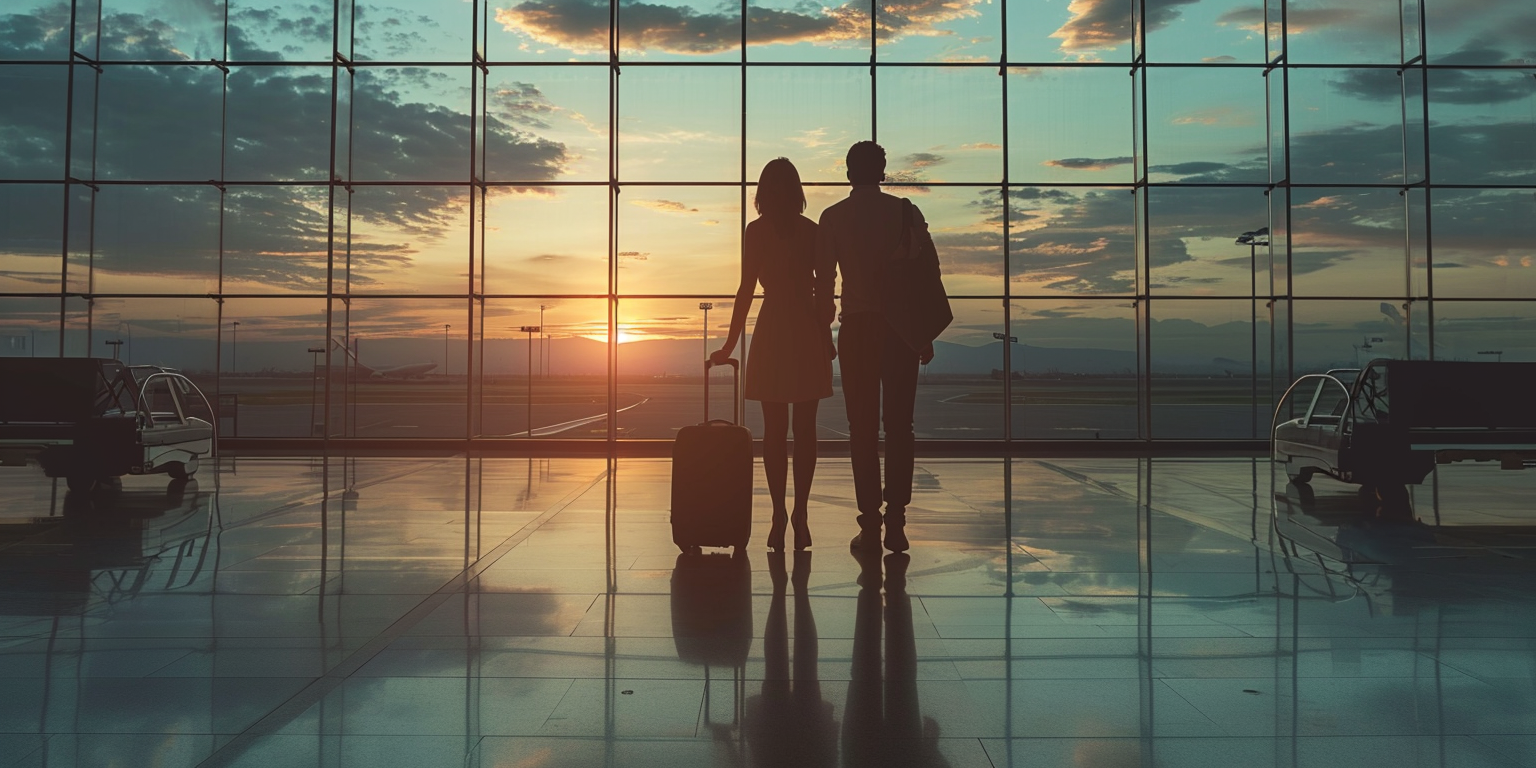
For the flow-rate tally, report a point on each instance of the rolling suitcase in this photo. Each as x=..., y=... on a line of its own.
x=712, y=478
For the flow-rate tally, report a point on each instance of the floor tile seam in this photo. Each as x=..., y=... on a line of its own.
x=322, y=686
x=1163, y=683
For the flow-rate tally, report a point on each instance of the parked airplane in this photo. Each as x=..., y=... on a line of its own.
x=407, y=371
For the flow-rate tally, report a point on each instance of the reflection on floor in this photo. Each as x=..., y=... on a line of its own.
x=512, y=612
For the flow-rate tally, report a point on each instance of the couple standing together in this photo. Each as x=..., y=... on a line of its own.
x=790, y=367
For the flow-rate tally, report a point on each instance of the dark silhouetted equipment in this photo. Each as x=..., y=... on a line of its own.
x=88, y=419
x=712, y=478
x=1391, y=422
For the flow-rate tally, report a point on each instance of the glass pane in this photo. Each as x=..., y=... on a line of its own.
x=679, y=30
x=275, y=239
x=398, y=386
x=142, y=30
x=1201, y=370
x=1214, y=117
x=546, y=123
x=662, y=346
x=1346, y=126
x=269, y=369
x=1484, y=331
x=1074, y=370
x=811, y=115
x=569, y=361
x=680, y=124
x=1344, y=31
x=1193, y=245
x=969, y=30
x=1482, y=243
x=30, y=251
x=813, y=30
x=1070, y=124
x=160, y=123
x=278, y=126
x=30, y=328
x=548, y=240
x=1219, y=31
x=36, y=33
x=411, y=124
x=172, y=333
x=1043, y=32
x=967, y=229
x=1480, y=126
x=1348, y=242
x=941, y=123
x=291, y=30
x=1072, y=241
x=407, y=239
x=422, y=30
x=679, y=240
x=1495, y=34
x=1348, y=334
x=158, y=239
x=32, y=134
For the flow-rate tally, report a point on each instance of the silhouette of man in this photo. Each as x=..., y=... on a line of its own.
x=857, y=236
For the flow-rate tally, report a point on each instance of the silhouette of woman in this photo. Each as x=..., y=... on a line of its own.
x=789, y=723
x=791, y=357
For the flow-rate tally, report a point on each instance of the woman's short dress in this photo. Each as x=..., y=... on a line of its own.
x=789, y=359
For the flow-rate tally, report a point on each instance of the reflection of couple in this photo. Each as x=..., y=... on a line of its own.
x=790, y=724
x=796, y=261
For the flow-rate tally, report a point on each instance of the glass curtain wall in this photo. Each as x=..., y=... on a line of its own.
x=522, y=218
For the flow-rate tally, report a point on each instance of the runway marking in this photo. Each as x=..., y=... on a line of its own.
x=566, y=426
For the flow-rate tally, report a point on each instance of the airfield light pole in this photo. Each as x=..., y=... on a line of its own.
x=314, y=367
x=116, y=345
x=234, y=349
x=706, y=306
x=1253, y=239
x=531, y=330
x=446, y=326
x=1498, y=354
x=1007, y=385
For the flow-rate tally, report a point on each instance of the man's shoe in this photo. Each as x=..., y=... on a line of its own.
x=869, y=533
x=896, y=538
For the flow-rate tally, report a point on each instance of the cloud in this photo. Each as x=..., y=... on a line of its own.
x=1228, y=116
x=1297, y=20
x=582, y=25
x=665, y=206
x=1446, y=86
x=1102, y=24
x=1089, y=163
x=981, y=145
x=923, y=160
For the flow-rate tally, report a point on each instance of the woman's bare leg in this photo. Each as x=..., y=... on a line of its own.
x=805, y=468
x=776, y=465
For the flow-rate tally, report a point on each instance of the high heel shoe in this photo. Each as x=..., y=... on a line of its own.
x=802, y=530
x=776, y=532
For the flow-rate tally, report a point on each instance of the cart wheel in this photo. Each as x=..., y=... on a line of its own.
x=81, y=483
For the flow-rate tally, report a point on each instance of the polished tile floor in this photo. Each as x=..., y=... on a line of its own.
x=512, y=612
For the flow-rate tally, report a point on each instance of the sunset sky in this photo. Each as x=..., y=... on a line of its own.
x=1073, y=249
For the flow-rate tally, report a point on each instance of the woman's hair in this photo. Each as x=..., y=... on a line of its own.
x=779, y=190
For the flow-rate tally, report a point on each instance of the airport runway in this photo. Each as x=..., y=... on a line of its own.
x=948, y=411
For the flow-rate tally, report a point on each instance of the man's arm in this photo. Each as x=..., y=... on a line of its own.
x=826, y=273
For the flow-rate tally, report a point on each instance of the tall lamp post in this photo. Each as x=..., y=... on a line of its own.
x=116, y=345
x=530, y=330
x=446, y=326
x=1253, y=239
x=706, y=306
x=314, y=367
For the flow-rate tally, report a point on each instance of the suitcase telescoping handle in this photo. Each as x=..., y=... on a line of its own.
x=735, y=388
